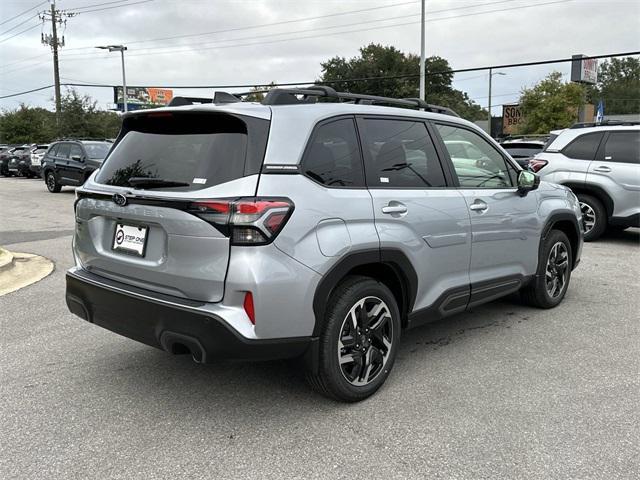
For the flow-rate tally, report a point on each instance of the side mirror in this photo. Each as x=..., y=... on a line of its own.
x=527, y=181
x=77, y=158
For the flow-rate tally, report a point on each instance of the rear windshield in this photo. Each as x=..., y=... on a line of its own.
x=200, y=150
x=97, y=150
x=522, y=151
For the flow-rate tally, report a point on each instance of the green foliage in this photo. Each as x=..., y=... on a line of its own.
x=550, y=104
x=618, y=86
x=79, y=118
x=380, y=61
x=27, y=125
x=256, y=94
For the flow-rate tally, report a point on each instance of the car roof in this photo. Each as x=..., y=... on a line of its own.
x=565, y=137
x=292, y=125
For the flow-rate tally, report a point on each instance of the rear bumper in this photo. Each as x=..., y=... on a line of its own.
x=165, y=324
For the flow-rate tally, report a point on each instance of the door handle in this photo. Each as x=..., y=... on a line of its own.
x=478, y=206
x=394, y=207
x=602, y=169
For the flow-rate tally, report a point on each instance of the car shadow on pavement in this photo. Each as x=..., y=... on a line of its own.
x=153, y=374
x=631, y=236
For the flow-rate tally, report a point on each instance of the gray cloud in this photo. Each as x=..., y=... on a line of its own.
x=523, y=34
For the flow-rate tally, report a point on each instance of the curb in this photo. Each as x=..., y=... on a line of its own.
x=6, y=259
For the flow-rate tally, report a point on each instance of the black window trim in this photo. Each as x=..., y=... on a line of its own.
x=448, y=178
x=599, y=148
x=307, y=148
x=517, y=168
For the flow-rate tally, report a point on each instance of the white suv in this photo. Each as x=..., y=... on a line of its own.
x=601, y=164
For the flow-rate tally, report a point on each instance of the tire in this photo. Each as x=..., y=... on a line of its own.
x=355, y=379
x=592, y=208
x=552, y=264
x=52, y=183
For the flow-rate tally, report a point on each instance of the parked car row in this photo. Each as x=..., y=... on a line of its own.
x=61, y=163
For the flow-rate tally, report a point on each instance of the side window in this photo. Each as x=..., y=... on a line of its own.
x=53, y=151
x=75, y=150
x=623, y=147
x=400, y=153
x=584, y=147
x=477, y=163
x=333, y=156
x=63, y=150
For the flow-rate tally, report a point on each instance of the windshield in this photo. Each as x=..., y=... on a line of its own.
x=97, y=150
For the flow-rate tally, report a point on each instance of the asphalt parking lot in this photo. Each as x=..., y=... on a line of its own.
x=505, y=391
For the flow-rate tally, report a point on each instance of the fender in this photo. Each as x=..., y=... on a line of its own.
x=575, y=241
x=389, y=257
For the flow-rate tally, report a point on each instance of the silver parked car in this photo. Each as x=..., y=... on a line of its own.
x=601, y=164
x=316, y=224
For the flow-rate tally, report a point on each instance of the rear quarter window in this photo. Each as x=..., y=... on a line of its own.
x=584, y=147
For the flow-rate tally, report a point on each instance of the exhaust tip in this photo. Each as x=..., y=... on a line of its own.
x=180, y=344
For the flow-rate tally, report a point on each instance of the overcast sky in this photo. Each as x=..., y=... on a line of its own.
x=239, y=48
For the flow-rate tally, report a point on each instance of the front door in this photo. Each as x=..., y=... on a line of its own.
x=75, y=165
x=505, y=226
x=417, y=211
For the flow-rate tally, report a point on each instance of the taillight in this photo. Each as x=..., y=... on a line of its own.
x=535, y=165
x=248, y=221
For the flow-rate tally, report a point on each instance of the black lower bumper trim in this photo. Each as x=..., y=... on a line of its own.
x=172, y=328
x=630, y=221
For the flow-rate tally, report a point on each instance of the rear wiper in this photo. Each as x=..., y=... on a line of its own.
x=146, y=182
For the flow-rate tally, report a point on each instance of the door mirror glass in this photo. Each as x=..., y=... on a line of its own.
x=77, y=158
x=527, y=181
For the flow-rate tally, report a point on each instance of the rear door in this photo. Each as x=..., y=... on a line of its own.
x=505, y=226
x=74, y=169
x=62, y=163
x=156, y=237
x=416, y=210
x=617, y=169
x=579, y=153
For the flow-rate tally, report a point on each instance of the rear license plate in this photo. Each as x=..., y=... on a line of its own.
x=130, y=239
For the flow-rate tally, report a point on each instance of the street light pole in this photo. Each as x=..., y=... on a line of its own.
x=121, y=49
x=491, y=74
x=422, y=53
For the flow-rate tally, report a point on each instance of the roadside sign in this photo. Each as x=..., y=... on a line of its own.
x=511, y=118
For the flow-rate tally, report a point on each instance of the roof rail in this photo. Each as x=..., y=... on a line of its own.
x=289, y=96
x=604, y=123
x=82, y=139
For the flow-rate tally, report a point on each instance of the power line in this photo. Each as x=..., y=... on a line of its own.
x=18, y=25
x=20, y=32
x=20, y=14
x=164, y=51
x=346, y=80
x=96, y=5
x=110, y=8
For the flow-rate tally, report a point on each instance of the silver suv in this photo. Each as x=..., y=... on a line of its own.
x=601, y=164
x=316, y=225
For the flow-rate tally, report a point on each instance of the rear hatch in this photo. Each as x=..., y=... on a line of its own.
x=135, y=220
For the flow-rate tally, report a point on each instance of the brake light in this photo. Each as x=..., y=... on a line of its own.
x=248, y=221
x=535, y=165
x=248, y=307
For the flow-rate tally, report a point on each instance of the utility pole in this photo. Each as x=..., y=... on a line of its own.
x=491, y=74
x=57, y=18
x=422, y=52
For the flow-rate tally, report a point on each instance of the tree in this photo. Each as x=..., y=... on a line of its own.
x=27, y=125
x=381, y=61
x=256, y=93
x=618, y=86
x=550, y=104
x=79, y=117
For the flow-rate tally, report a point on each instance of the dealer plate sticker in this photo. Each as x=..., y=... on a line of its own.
x=130, y=239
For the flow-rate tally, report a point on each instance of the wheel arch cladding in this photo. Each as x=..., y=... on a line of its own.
x=568, y=224
x=388, y=266
x=594, y=191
